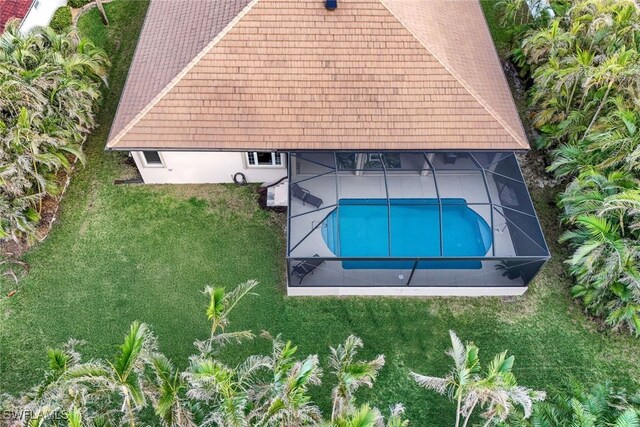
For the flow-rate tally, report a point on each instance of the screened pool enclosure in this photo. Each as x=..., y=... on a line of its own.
x=411, y=219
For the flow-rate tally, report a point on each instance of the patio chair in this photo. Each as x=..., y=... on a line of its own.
x=304, y=195
x=305, y=267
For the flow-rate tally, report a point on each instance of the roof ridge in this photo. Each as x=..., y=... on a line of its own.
x=127, y=82
x=461, y=80
x=196, y=59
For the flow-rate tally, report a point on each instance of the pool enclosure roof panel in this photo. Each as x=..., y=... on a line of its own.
x=429, y=206
x=291, y=75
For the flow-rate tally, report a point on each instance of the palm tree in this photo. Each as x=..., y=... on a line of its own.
x=458, y=382
x=53, y=394
x=618, y=72
x=351, y=374
x=571, y=158
x=550, y=94
x=517, y=16
x=624, y=308
x=166, y=392
x=512, y=12
x=284, y=399
x=553, y=41
x=617, y=136
x=600, y=251
x=580, y=61
x=221, y=304
x=122, y=378
x=49, y=87
x=225, y=395
x=625, y=207
x=364, y=416
x=609, y=24
x=607, y=195
x=496, y=390
x=560, y=107
x=367, y=416
x=35, y=157
x=576, y=68
x=605, y=266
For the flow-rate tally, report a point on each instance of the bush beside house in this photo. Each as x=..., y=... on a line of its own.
x=61, y=19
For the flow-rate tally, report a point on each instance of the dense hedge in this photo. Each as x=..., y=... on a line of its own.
x=584, y=68
x=61, y=19
x=47, y=106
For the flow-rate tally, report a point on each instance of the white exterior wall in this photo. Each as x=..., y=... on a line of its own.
x=40, y=14
x=198, y=167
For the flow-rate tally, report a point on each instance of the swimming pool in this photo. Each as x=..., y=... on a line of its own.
x=411, y=228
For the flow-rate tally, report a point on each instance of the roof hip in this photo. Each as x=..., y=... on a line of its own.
x=287, y=74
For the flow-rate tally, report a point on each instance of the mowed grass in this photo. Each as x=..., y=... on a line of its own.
x=125, y=253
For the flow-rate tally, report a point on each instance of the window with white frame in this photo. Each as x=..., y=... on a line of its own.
x=152, y=158
x=264, y=159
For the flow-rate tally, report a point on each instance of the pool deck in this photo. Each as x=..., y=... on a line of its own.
x=401, y=184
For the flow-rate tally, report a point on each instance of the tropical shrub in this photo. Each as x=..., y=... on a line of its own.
x=140, y=384
x=494, y=390
x=603, y=212
x=61, y=19
x=584, y=65
x=605, y=264
x=584, y=68
x=49, y=88
x=516, y=16
x=601, y=406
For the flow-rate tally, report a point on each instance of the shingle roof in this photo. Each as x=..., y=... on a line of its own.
x=13, y=9
x=289, y=75
x=174, y=32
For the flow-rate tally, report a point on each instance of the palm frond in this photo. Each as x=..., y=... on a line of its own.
x=131, y=348
x=439, y=385
x=458, y=351
x=628, y=418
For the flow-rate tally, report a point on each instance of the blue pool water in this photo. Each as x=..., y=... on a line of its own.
x=415, y=232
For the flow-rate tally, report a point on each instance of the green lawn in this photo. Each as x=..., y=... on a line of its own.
x=121, y=253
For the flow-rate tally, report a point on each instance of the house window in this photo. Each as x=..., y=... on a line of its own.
x=264, y=159
x=36, y=4
x=152, y=158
